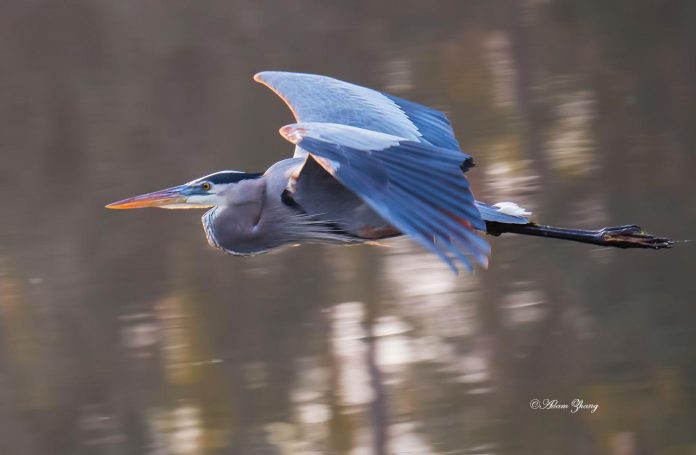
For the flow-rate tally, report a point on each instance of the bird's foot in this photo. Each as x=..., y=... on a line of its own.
x=631, y=236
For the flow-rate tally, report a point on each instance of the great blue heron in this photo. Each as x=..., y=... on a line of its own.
x=367, y=166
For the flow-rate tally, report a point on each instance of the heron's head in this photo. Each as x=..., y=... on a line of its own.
x=204, y=192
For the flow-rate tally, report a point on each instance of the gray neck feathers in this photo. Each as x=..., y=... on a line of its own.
x=207, y=219
x=253, y=219
x=229, y=229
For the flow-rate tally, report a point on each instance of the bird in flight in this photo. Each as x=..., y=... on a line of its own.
x=367, y=166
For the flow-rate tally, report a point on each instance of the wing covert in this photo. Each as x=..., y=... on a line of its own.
x=417, y=187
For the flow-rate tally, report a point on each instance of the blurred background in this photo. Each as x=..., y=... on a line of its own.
x=125, y=333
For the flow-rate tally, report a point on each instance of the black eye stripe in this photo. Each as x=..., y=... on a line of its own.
x=231, y=177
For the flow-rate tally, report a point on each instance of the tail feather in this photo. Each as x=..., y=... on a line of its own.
x=494, y=213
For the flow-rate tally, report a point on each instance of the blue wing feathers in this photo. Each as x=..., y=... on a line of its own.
x=415, y=220
x=432, y=124
x=426, y=186
x=400, y=157
x=315, y=98
x=445, y=226
x=405, y=217
x=417, y=187
x=461, y=203
x=433, y=227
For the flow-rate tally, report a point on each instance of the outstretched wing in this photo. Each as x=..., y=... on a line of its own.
x=314, y=98
x=417, y=187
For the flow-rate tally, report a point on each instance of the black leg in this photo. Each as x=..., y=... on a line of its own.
x=628, y=236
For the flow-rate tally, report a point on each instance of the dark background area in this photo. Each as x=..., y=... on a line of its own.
x=125, y=333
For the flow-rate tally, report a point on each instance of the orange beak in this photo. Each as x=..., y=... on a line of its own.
x=162, y=198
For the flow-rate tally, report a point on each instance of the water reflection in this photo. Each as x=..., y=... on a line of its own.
x=126, y=334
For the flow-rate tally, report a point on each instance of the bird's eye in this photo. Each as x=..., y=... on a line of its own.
x=206, y=186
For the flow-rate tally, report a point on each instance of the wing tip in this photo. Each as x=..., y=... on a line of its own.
x=259, y=77
x=262, y=77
